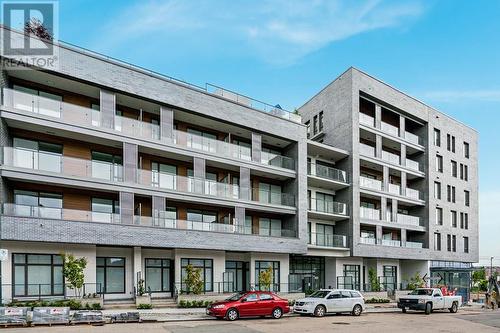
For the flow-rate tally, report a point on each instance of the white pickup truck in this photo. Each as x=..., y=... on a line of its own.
x=429, y=299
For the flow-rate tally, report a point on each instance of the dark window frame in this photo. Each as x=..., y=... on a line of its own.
x=105, y=266
x=162, y=267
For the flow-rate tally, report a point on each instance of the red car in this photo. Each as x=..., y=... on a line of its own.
x=249, y=304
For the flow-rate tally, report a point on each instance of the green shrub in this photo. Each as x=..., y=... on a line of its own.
x=96, y=306
x=377, y=300
x=144, y=306
x=194, y=303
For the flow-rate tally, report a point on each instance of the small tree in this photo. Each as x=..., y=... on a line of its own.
x=193, y=280
x=35, y=27
x=416, y=282
x=479, y=281
x=265, y=279
x=374, y=282
x=73, y=271
x=140, y=287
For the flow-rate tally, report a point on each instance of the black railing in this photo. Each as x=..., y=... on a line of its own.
x=44, y=291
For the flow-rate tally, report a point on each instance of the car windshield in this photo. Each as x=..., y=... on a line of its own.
x=235, y=297
x=319, y=294
x=422, y=292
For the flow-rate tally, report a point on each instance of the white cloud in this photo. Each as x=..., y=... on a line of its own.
x=277, y=31
x=481, y=95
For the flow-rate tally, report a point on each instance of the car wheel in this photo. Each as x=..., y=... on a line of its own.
x=319, y=311
x=277, y=313
x=232, y=314
x=356, y=311
x=404, y=310
x=454, y=307
x=428, y=308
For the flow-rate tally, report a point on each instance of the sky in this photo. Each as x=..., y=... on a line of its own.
x=443, y=52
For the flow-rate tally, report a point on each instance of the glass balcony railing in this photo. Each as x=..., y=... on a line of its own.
x=413, y=138
x=409, y=219
x=326, y=172
x=390, y=157
x=391, y=129
x=369, y=213
x=368, y=240
x=413, y=194
x=370, y=183
x=328, y=207
x=366, y=119
x=391, y=242
x=414, y=245
x=327, y=240
x=366, y=150
x=411, y=164
x=57, y=163
x=270, y=197
x=74, y=114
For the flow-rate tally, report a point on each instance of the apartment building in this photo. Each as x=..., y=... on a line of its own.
x=143, y=175
x=412, y=202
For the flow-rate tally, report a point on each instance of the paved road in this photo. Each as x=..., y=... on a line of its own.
x=442, y=322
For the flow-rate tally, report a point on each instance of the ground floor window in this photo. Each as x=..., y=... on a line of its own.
x=110, y=275
x=261, y=266
x=158, y=275
x=306, y=273
x=207, y=273
x=390, y=279
x=37, y=275
x=351, y=278
x=236, y=276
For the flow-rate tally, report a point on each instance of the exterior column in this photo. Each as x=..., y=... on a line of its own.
x=385, y=182
x=127, y=207
x=199, y=174
x=383, y=208
x=138, y=274
x=378, y=234
x=378, y=146
x=378, y=116
x=130, y=158
x=403, y=237
x=394, y=210
x=239, y=223
x=403, y=155
x=256, y=147
x=245, y=186
x=402, y=126
x=107, y=108
x=403, y=183
x=159, y=206
x=166, y=124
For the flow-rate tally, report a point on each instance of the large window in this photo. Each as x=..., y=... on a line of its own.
x=236, y=276
x=202, y=140
x=107, y=166
x=206, y=267
x=201, y=216
x=110, y=275
x=390, y=278
x=351, y=277
x=306, y=273
x=37, y=155
x=48, y=105
x=269, y=227
x=37, y=204
x=324, y=203
x=261, y=266
x=164, y=175
x=269, y=193
x=324, y=235
x=159, y=274
x=104, y=210
x=37, y=275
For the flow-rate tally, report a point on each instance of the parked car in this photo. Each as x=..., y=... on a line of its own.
x=250, y=304
x=331, y=300
x=429, y=299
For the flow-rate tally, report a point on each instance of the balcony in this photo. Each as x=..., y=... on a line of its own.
x=73, y=114
x=388, y=128
x=369, y=213
x=327, y=240
x=394, y=189
x=366, y=119
x=374, y=184
x=391, y=242
x=367, y=240
x=411, y=164
x=15, y=210
x=327, y=207
x=326, y=172
x=59, y=164
x=409, y=219
x=366, y=150
x=390, y=157
x=413, y=194
x=413, y=138
x=414, y=245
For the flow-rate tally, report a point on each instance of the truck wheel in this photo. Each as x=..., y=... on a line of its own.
x=319, y=311
x=404, y=310
x=428, y=308
x=454, y=307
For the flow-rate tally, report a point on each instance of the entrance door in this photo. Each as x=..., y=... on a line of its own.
x=236, y=276
x=159, y=275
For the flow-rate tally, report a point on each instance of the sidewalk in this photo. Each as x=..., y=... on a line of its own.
x=182, y=314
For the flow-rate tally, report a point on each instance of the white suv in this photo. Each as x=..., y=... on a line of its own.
x=331, y=300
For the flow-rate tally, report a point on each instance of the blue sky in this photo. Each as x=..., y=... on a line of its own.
x=445, y=53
